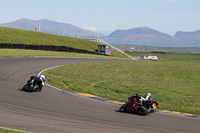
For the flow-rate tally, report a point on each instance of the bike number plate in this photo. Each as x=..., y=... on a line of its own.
x=154, y=105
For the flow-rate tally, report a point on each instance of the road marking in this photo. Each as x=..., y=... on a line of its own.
x=164, y=111
x=174, y=113
x=85, y=95
x=115, y=102
x=186, y=114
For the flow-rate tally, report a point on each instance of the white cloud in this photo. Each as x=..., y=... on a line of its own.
x=95, y=29
x=90, y=28
x=101, y=31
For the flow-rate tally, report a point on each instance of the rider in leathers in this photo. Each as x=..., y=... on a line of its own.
x=141, y=98
x=39, y=81
x=146, y=97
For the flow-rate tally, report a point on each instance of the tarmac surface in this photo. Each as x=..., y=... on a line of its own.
x=53, y=111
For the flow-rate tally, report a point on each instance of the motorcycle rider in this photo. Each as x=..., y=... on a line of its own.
x=39, y=81
x=146, y=97
x=140, y=98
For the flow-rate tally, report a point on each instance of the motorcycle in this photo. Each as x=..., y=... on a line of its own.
x=31, y=85
x=145, y=108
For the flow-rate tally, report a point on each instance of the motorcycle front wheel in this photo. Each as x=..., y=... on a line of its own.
x=122, y=108
x=26, y=87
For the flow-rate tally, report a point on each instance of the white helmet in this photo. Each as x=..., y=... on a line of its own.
x=148, y=94
x=42, y=77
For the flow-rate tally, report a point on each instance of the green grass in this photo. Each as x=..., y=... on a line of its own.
x=175, y=85
x=39, y=53
x=2, y=130
x=15, y=36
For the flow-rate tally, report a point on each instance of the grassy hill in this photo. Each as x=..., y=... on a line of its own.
x=15, y=36
x=8, y=35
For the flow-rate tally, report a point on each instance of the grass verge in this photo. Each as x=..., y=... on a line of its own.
x=175, y=85
x=2, y=130
x=31, y=53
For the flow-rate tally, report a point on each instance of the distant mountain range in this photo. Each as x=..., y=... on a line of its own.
x=51, y=27
x=149, y=37
x=137, y=36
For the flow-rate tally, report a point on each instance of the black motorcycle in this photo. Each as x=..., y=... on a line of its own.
x=33, y=84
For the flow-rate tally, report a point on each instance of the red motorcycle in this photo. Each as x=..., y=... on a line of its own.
x=143, y=108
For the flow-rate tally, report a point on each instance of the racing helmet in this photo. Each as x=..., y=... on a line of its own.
x=42, y=77
x=148, y=94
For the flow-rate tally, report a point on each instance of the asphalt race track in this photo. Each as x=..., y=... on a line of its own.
x=53, y=111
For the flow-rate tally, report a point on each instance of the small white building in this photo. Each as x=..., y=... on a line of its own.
x=150, y=57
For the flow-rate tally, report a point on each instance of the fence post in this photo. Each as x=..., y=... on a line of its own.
x=39, y=27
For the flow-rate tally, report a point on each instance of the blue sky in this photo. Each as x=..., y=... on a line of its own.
x=106, y=16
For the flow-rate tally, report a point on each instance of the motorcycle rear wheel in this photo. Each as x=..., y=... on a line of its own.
x=144, y=112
